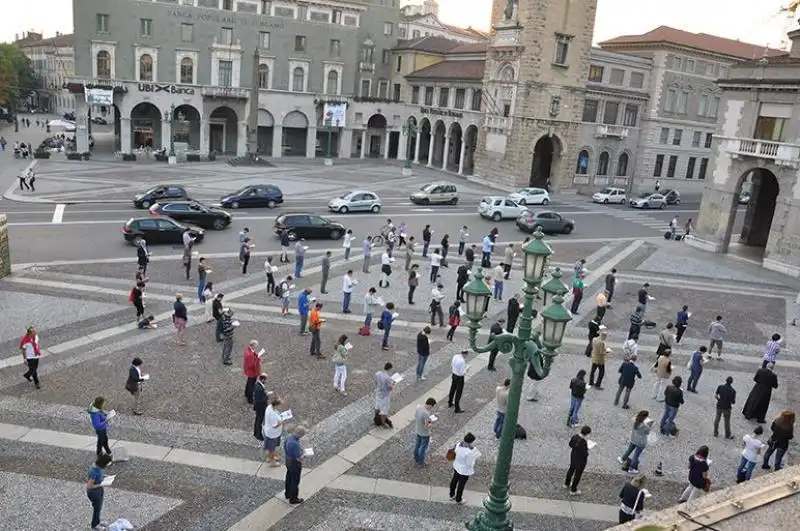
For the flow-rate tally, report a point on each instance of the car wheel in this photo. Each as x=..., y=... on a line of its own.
x=146, y=204
x=523, y=201
x=568, y=229
x=426, y=201
x=235, y=204
x=343, y=210
x=137, y=241
x=545, y=202
x=375, y=209
x=454, y=201
x=662, y=206
x=271, y=203
x=497, y=216
x=335, y=235
x=538, y=228
x=605, y=201
x=219, y=224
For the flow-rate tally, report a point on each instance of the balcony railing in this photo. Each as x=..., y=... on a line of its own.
x=613, y=131
x=497, y=122
x=781, y=153
x=235, y=93
x=364, y=66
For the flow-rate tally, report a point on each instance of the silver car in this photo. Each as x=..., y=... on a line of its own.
x=356, y=201
x=648, y=200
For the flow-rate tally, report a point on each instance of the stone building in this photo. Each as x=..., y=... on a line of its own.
x=53, y=61
x=419, y=20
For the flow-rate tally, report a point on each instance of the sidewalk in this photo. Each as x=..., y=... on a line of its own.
x=10, y=167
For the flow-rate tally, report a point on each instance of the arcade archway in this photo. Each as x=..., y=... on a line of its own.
x=752, y=211
x=546, y=160
x=146, y=126
x=223, y=131
x=456, y=139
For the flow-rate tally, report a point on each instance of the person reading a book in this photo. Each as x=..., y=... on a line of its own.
x=94, y=489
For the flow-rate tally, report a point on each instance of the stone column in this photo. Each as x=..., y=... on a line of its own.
x=430, y=150
x=125, y=139
x=204, y=134
x=462, y=156
x=277, y=141
x=402, y=146
x=311, y=143
x=345, y=143
x=363, y=143
x=386, y=137
x=445, y=152
x=241, y=139
x=416, y=146
x=166, y=131
x=5, y=250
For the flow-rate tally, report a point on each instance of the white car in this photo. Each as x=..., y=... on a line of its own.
x=531, y=196
x=610, y=195
x=355, y=201
x=499, y=208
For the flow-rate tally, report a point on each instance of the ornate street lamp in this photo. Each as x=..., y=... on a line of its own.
x=532, y=352
x=554, y=287
x=409, y=130
x=169, y=116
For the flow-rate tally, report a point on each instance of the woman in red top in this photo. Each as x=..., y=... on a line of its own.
x=252, y=369
x=29, y=345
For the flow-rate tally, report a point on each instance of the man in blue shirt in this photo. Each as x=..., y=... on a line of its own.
x=681, y=323
x=628, y=372
x=488, y=245
x=696, y=368
x=302, y=309
x=294, y=465
x=94, y=488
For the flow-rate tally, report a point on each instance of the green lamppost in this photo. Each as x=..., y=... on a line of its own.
x=530, y=352
x=409, y=130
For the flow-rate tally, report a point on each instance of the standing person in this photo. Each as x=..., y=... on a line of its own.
x=782, y=432
x=413, y=281
x=370, y=300
x=272, y=430
x=577, y=391
x=577, y=293
x=339, y=360
x=315, y=326
x=383, y=388
x=283, y=291
x=303, y=309
x=23, y=184
x=673, y=227
x=458, y=370
x=32, y=180
x=462, y=277
x=137, y=298
x=437, y=296
x=453, y=319
x=410, y=247
x=642, y=424
x=497, y=277
x=423, y=351
x=758, y=400
x=208, y=302
x=251, y=367
x=643, y=297
x=578, y=459
x=632, y=498
x=366, y=247
x=445, y=243
x=501, y=403
x=95, y=490
x=599, y=351
x=402, y=234
x=436, y=262
x=657, y=186
x=202, y=274
x=387, y=318
x=99, y=418
x=294, y=465
x=594, y=328
x=579, y=269
x=142, y=256
x=716, y=334
x=696, y=368
x=243, y=234
x=665, y=339
x=423, y=422
x=386, y=269
x=347, y=243
x=681, y=323
x=698, y=475
x=663, y=370
x=611, y=285
x=508, y=260
x=628, y=372
x=216, y=312
x=752, y=449
x=687, y=228
x=348, y=284
x=270, y=270
x=228, y=327
x=285, y=243
x=180, y=317
x=326, y=270
x=512, y=313
x=462, y=239
x=299, y=257
x=463, y=467
x=469, y=256
x=771, y=350
x=673, y=399
x=636, y=320
x=726, y=397
x=486, y=249
x=188, y=245
x=260, y=404
x=134, y=384
x=426, y=240
x=602, y=304
x=495, y=330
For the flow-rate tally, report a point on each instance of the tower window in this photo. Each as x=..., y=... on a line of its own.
x=561, y=49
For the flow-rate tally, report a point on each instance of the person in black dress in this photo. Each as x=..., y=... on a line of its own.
x=758, y=400
x=512, y=314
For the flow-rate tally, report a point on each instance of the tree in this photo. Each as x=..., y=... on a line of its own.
x=8, y=82
x=22, y=81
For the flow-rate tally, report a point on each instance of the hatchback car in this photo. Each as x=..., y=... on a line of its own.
x=610, y=195
x=254, y=196
x=162, y=192
x=436, y=194
x=499, y=208
x=531, y=196
x=356, y=201
x=545, y=221
x=309, y=226
x=744, y=198
x=673, y=197
x=648, y=200
x=157, y=230
x=194, y=213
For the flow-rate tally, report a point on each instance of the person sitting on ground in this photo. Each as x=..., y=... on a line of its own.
x=147, y=323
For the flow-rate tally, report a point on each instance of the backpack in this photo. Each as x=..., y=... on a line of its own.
x=279, y=290
x=520, y=433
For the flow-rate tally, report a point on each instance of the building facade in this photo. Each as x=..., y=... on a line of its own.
x=757, y=144
x=422, y=20
x=53, y=61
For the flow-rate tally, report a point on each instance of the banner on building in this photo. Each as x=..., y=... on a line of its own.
x=99, y=97
x=334, y=114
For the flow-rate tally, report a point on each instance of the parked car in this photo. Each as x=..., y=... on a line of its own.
x=162, y=192
x=546, y=221
x=257, y=195
x=356, y=201
x=744, y=198
x=648, y=200
x=99, y=120
x=436, y=194
x=499, y=208
x=157, y=230
x=673, y=197
x=69, y=116
x=610, y=195
x=309, y=226
x=193, y=213
x=531, y=196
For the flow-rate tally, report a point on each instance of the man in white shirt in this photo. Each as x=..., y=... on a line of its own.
x=501, y=397
x=437, y=296
x=386, y=269
x=498, y=277
x=459, y=370
x=347, y=290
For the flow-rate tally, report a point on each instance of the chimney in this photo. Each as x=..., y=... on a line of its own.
x=794, y=50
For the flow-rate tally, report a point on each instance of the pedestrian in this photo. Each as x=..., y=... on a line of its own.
x=436, y=262
x=260, y=404
x=385, y=323
x=673, y=399
x=501, y=403
x=427, y=233
x=771, y=350
x=673, y=227
x=295, y=453
x=579, y=269
x=402, y=234
x=216, y=312
x=386, y=269
x=137, y=299
x=188, y=246
x=463, y=467
x=423, y=351
x=665, y=339
x=752, y=449
x=578, y=459
x=642, y=424
x=435, y=308
x=134, y=384
x=577, y=390
x=469, y=256
x=599, y=351
x=228, y=328
x=681, y=323
x=272, y=430
x=458, y=370
x=95, y=490
x=315, y=326
x=410, y=247
x=423, y=422
x=32, y=180
x=299, y=257
x=348, y=284
x=99, y=418
x=577, y=293
x=140, y=276
x=508, y=260
x=147, y=323
x=180, y=318
x=632, y=498
x=611, y=284
x=251, y=367
x=285, y=242
x=462, y=277
x=594, y=327
x=486, y=250
x=758, y=400
x=726, y=397
x=383, y=388
x=631, y=348
x=370, y=300
x=698, y=475
x=270, y=271
x=628, y=372
x=208, y=301
x=453, y=319
x=497, y=277
x=284, y=291
x=643, y=297
x=23, y=184
x=445, y=248
x=657, y=186
x=716, y=334
x=142, y=256
x=636, y=320
x=413, y=281
x=602, y=304
x=663, y=371
x=243, y=234
x=512, y=313
x=202, y=274
x=462, y=239
x=391, y=239
x=696, y=368
x=325, y=271
x=495, y=330
x=782, y=432
x=347, y=243
x=339, y=360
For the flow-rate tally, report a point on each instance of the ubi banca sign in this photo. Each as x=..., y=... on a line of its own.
x=171, y=89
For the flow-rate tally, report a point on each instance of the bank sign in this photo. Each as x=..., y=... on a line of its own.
x=440, y=112
x=170, y=89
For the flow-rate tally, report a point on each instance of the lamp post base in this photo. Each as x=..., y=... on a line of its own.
x=172, y=160
x=328, y=161
x=407, y=172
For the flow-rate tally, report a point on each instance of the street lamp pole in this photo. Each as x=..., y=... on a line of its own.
x=531, y=351
x=172, y=130
x=409, y=130
x=328, y=121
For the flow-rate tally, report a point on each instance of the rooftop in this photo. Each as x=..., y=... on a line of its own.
x=430, y=44
x=36, y=41
x=464, y=70
x=776, y=60
x=469, y=31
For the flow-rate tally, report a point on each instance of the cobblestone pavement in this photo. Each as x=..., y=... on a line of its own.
x=196, y=465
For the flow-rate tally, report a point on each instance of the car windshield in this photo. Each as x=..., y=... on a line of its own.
x=487, y=200
x=644, y=195
x=606, y=191
x=241, y=191
x=346, y=196
x=428, y=187
x=152, y=190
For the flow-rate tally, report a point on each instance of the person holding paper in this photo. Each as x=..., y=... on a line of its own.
x=384, y=385
x=681, y=323
x=578, y=459
x=469, y=256
x=501, y=399
x=458, y=369
x=179, y=319
x=294, y=465
x=134, y=384
x=463, y=467
x=642, y=424
x=628, y=373
x=348, y=284
x=244, y=254
x=453, y=319
x=726, y=397
x=423, y=351
x=508, y=260
x=599, y=351
x=272, y=430
x=347, y=243
x=260, y=401
x=299, y=257
x=303, y=309
x=339, y=360
x=366, y=247
x=410, y=248
x=202, y=274
x=435, y=308
x=643, y=297
x=188, y=245
x=673, y=399
x=142, y=256
x=495, y=330
x=486, y=249
x=427, y=233
x=436, y=263
x=413, y=281
x=270, y=270
x=285, y=243
x=771, y=350
x=31, y=354
x=577, y=391
x=512, y=313
x=216, y=312
x=208, y=302
x=385, y=324
x=386, y=269
x=251, y=367
x=315, y=326
x=137, y=299
x=423, y=421
x=228, y=329
x=665, y=340
x=325, y=266
x=100, y=424
x=632, y=498
x=463, y=234
x=94, y=489
x=696, y=368
x=282, y=290
x=698, y=475
x=370, y=300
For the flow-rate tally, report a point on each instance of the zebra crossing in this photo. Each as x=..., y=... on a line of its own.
x=639, y=217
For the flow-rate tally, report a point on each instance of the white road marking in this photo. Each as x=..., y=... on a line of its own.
x=58, y=213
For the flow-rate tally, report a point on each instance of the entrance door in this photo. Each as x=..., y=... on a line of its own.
x=216, y=138
x=375, y=146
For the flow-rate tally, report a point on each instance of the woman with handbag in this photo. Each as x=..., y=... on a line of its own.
x=632, y=498
x=698, y=475
x=464, y=457
x=454, y=319
x=782, y=433
x=665, y=339
x=663, y=371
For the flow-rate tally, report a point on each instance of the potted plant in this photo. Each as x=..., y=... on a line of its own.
x=161, y=157
x=86, y=155
x=192, y=157
x=72, y=155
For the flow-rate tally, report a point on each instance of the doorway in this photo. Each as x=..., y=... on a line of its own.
x=216, y=134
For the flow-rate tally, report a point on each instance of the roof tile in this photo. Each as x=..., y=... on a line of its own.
x=467, y=70
x=431, y=44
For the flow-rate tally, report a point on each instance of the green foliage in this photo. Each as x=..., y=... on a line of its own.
x=17, y=78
